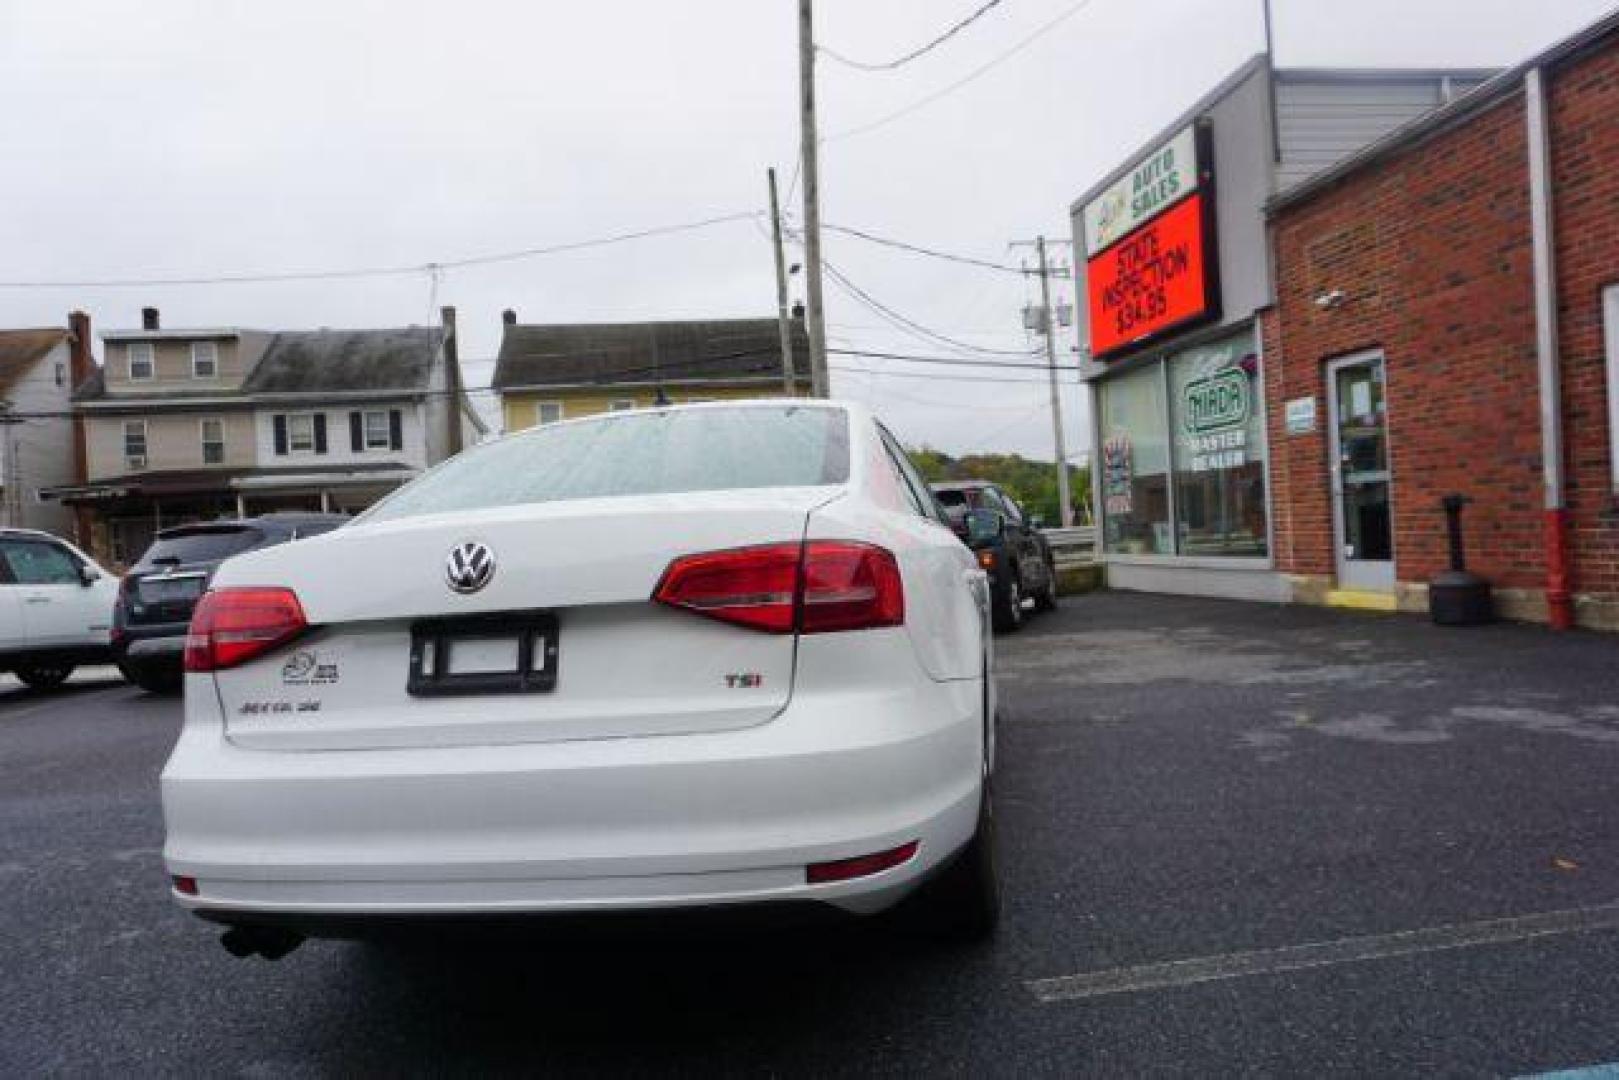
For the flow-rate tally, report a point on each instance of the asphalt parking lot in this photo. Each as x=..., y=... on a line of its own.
x=1237, y=839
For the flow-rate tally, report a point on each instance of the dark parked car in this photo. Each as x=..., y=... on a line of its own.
x=1009, y=546
x=155, y=601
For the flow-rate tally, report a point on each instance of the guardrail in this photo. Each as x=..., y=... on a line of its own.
x=1074, y=546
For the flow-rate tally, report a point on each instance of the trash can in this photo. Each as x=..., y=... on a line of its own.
x=1458, y=597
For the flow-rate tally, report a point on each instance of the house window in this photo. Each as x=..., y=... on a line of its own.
x=621, y=405
x=377, y=436
x=135, y=444
x=140, y=360
x=61, y=374
x=213, y=442
x=204, y=360
x=548, y=412
x=301, y=432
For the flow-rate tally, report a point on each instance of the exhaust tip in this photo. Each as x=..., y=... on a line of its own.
x=268, y=942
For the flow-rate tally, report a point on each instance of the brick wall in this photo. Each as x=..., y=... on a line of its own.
x=1430, y=248
x=1584, y=101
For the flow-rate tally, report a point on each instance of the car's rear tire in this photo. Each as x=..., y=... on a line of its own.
x=1046, y=598
x=1009, y=606
x=964, y=902
x=43, y=676
x=153, y=682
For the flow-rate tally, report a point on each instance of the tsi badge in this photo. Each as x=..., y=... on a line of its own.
x=744, y=680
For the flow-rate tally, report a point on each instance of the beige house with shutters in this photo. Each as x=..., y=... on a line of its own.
x=196, y=424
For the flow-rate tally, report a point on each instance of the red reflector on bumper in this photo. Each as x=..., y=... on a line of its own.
x=860, y=865
x=185, y=885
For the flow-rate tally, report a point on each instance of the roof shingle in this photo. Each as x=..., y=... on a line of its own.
x=711, y=350
x=21, y=349
x=319, y=361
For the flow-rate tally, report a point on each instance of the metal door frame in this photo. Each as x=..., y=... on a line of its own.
x=1372, y=574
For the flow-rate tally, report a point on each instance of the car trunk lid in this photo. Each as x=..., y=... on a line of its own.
x=577, y=576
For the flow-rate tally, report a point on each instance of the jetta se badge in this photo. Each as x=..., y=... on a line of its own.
x=469, y=566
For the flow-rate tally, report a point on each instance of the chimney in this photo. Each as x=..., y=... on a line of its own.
x=509, y=317
x=452, y=382
x=149, y=318
x=80, y=366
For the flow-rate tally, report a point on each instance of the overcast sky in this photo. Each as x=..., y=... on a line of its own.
x=184, y=139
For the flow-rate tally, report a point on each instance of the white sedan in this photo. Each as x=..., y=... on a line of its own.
x=694, y=657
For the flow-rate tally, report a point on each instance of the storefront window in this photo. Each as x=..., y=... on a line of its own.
x=1219, y=449
x=1135, y=464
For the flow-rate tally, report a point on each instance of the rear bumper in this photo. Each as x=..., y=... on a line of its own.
x=605, y=825
x=153, y=650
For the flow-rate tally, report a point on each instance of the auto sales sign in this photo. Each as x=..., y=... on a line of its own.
x=1150, y=259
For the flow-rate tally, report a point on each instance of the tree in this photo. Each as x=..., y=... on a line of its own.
x=1032, y=483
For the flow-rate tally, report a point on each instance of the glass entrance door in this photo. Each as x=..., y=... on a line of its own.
x=1362, y=525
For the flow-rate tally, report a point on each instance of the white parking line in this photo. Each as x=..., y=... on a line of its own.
x=1355, y=950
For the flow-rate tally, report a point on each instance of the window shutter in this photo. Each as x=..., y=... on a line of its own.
x=356, y=436
x=396, y=430
x=281, y=434
x=320, y=433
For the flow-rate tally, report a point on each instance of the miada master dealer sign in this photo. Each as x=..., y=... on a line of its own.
x=1151, y=263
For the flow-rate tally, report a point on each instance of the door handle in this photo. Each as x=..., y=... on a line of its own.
x=38, y=599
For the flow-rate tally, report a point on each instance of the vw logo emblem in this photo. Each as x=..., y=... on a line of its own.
x=469, y=566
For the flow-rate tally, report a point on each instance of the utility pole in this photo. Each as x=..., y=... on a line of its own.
x=1043, y=326
x=814, y=315
x=783, y=319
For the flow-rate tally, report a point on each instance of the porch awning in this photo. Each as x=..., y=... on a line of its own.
x=227, y=482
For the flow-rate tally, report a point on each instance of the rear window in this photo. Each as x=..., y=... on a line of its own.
x=202, y=544
x=951, y=498
x=651, y=453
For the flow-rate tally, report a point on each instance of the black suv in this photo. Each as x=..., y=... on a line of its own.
x=157, y=595
x=1008, y=544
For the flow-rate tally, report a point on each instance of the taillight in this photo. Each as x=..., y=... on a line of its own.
x=232, y=626
x=817, y=587
x=850, y=586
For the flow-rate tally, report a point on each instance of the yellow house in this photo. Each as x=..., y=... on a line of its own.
x=552, y=372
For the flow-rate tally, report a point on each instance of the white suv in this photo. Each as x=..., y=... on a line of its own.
x=55, y=608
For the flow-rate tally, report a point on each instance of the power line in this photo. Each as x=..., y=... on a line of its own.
x=923, y=50
x=911, y=325
x=579, y=245
x=847, y=368
x=972, y=76
x=949, y=361
x=257, y=277
x=917, y=249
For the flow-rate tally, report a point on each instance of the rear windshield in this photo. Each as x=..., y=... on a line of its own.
x=650, y=453
x=202, y=544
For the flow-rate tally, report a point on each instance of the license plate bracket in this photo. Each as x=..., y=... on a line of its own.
x=433, y=659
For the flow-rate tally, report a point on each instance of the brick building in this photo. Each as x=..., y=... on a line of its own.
x=1174, y=261
x=1447, y=321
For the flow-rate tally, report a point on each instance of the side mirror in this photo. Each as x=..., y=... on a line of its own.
x=88, y=575
x=983, y=525
x=1036, y=521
